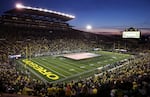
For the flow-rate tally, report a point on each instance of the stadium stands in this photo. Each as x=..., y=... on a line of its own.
x=45, y=37
x=131, y=80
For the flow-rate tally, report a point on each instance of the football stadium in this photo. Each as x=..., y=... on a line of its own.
x=42, y=55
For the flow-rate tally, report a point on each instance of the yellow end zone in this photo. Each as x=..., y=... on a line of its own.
x=41, y=70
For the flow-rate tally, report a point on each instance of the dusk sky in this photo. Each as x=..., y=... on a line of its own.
x=103, y=15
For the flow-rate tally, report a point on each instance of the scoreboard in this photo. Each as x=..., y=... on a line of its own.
x=131, y=34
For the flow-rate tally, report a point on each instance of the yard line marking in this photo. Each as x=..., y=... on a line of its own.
x=46, y=61
x=71, y=70
x=79, y=70
x=91, y=64
x=82, y=66
x=57, y=66
x=74, y=65
x=77, y=66
x=50, y=69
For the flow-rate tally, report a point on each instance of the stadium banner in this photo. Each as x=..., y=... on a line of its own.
x=41, y=70
x=14, y=56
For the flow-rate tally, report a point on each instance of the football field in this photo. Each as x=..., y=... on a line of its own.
x=70, y=67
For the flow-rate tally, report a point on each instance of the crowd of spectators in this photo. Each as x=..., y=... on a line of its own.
x=46, y=46
x=42, y=46
x=15, y=40
x=130, y=80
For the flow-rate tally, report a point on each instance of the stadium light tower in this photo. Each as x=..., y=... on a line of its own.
x=19, y=5
x=88, y=27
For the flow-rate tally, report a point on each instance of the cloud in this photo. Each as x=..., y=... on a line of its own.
x=102, y=30
x=113, y=31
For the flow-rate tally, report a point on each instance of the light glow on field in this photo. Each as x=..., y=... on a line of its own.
x=79, y=56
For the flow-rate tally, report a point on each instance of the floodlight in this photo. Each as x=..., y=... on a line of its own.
x=19, y=5
x=88, y=27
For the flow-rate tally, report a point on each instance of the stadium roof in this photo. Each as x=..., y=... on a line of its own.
x=21, y=9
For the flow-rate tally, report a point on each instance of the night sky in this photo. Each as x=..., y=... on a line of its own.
x=103, y=15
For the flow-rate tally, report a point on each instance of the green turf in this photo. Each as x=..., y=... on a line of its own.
x=68, y=69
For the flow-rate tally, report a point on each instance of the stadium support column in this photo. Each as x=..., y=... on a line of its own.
x=118, y=45
x=29, y=52
x=26, y=52
x=114, y=46
x=125, y=44
x=26, y=56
